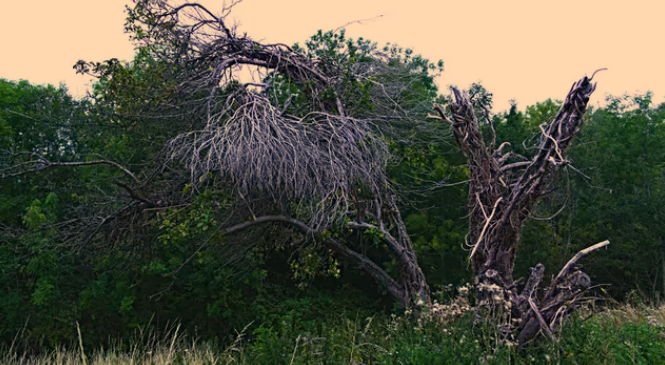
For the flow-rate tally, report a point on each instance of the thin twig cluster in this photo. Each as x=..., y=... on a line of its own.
x=317, y=157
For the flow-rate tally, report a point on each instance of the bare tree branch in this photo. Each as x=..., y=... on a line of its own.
x=42, y=163
x=566, y=269
x=365, y=263
x=318, y=157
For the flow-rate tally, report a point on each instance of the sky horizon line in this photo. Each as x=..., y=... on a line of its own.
x=518, y=49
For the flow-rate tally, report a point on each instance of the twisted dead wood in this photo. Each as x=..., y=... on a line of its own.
x=501, y=193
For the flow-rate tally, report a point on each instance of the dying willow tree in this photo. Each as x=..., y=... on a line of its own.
x=503, y=189
x=303, y=144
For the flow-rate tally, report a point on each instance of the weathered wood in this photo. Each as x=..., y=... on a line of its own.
x=508, y=189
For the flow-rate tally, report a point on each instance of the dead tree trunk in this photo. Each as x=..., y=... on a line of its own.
x=411, y=289
x=503, y=187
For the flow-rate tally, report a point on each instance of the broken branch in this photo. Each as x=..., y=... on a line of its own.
x=576, y=258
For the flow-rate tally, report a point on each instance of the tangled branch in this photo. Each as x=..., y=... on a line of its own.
x=317, y=158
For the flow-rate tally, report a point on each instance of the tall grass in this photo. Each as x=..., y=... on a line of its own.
x=622, y=334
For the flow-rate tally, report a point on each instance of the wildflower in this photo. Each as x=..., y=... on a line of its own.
x=652, y=321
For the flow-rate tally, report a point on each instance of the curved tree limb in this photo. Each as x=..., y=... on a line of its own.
x=395, y=289
x=42, y=163
x=566, y=269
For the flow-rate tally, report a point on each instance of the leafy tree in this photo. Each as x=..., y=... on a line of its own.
x=42, y=127
x=135, y=224
x=66, y=253
x=618, y=192
x=308, y=149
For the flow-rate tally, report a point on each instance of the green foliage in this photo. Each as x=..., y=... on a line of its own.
x=342, y=57
x=384, y=340
x=38, y=119
x=599, y=341
x=623, y=198
x=423, y=157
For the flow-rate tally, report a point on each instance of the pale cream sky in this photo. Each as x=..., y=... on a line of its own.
x=527, y=50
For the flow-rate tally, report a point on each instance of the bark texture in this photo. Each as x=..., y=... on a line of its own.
x=503, y=187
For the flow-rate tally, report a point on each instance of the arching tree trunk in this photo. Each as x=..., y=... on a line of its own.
x=409, y=288
x=500, y=195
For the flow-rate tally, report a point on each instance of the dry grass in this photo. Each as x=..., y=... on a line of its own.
x=198, y=355
x=624, y=314
x=174, y=347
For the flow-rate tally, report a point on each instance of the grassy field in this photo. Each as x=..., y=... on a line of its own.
x=623, y=334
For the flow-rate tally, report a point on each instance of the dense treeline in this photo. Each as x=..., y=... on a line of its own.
x=615, y=190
